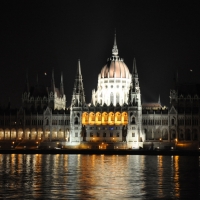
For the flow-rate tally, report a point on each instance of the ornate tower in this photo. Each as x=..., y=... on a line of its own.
x=77, y=103
x=61, y=85
x=135, y=136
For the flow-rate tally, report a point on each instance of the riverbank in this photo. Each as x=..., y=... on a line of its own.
x=101, y=152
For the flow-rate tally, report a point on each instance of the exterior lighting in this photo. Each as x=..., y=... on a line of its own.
x=37, y=142
x=13, y=142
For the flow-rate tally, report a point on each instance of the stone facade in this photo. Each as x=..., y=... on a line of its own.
x=115, y=118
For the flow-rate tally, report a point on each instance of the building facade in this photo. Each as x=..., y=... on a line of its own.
x=115, y=118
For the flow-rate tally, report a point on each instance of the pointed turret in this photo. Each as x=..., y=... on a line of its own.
x=134, y=92
x=159, y=99
x=134, y=76
x=134, y=68
x=78, y=97
x=115, y=50
x=61, y=85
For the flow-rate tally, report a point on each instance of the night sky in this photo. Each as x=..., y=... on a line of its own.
x=163, y=36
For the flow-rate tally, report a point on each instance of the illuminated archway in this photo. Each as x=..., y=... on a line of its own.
x=91, y=118
x=117, y=118
x=13, y=134
x=104, y=118
x=7, y=134
x=20, y=133
x=40, y=134
x=33, y=134
x=54, y=134
x=98, y=118
x=1, y=134
x=111, y=118
x=60, y=134
x=124, y=118
x=85, y=118
x=47, y=134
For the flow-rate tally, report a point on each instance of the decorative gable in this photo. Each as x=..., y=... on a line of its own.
x=48, y=111
x=172, y=110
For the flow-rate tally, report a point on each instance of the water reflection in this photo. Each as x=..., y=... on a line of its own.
x=98, y=177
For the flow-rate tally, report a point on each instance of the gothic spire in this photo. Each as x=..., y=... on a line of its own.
x=134, y=67
x=78, y=97
x=79, y=68
x=159, y=99
x=61, y=85
x=115, y=50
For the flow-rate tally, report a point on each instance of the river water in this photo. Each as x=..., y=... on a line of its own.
x=60, y=176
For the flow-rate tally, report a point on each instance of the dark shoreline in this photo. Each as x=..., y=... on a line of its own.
x=100, y=152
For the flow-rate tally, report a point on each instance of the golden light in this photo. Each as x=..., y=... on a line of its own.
x=37, y=142
x=13, y=142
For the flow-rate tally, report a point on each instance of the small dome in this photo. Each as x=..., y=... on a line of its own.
x=115, y=68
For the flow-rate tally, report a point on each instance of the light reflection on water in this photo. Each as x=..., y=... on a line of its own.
x=24, y=176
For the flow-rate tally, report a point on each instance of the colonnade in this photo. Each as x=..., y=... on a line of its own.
x=105, y=118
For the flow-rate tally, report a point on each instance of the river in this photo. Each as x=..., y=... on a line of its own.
x=62, y=176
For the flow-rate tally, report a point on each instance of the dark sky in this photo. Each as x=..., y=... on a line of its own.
x=164, y=36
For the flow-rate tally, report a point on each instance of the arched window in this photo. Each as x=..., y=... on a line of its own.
x=111, y=98
x=76, y=120
x=133, y=120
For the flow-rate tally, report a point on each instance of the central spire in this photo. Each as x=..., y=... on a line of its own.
x=115, y=50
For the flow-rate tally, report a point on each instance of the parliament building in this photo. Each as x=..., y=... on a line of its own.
x=114, y=119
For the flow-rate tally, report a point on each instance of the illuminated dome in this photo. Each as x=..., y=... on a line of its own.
x=114, y=81
x=115, y=68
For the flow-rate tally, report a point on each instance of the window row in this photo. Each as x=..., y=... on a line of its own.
x=155, y=122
